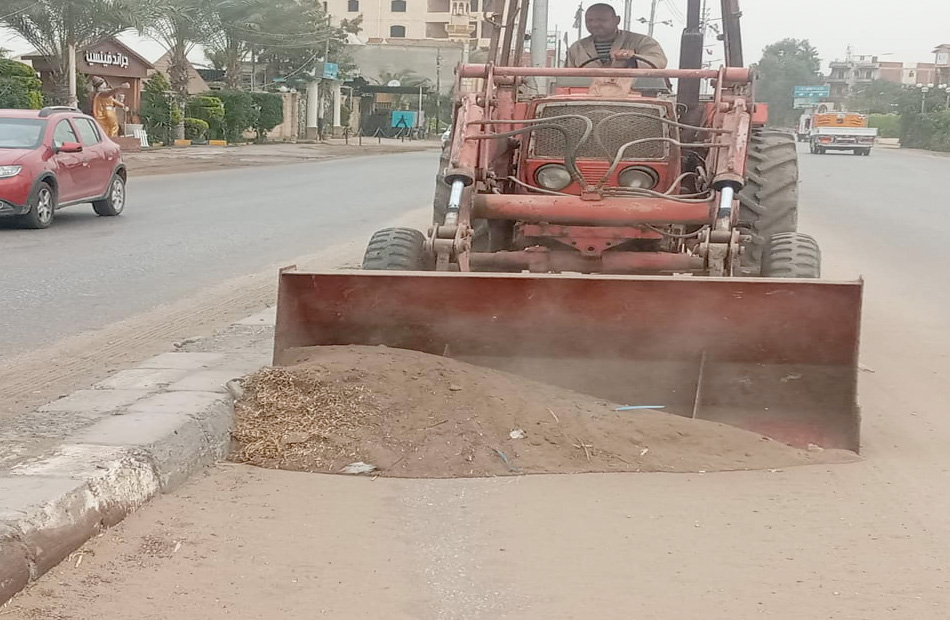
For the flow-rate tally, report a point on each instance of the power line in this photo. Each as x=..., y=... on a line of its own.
x=18, y=11
x=675, y=10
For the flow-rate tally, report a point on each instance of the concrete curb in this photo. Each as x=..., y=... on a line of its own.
x=141, y=432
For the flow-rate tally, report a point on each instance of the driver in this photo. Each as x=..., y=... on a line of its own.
x=607, y=39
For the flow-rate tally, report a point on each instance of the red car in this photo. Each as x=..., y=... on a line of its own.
x=54, y=158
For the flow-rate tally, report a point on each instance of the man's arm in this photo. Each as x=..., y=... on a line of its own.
x=649, y=48
x=572, y=52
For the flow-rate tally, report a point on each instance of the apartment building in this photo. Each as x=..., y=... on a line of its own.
x=420, y=19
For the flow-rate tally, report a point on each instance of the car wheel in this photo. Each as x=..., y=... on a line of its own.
x=42, y=208
x=114, y=202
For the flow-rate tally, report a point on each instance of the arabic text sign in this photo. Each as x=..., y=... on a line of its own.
x=803, y=92
x=107, y=59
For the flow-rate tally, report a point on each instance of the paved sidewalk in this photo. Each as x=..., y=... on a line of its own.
x=170, y=160
x=82, y=463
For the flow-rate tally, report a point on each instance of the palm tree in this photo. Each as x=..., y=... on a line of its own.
x=179, y=26
x=236, y=24
x=57, y=28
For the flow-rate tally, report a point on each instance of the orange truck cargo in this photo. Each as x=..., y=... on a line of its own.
x=841, y=131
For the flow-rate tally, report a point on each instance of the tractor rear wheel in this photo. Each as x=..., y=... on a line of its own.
x=768, y=204
x=792, y=255
x=396, y=249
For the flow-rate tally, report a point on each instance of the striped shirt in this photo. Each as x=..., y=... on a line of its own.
x=603, y=47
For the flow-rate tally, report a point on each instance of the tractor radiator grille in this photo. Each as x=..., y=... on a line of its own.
x=614, y=133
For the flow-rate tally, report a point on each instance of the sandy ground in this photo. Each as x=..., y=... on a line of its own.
x=251, y=543
x=202, y=158
x=415, y=415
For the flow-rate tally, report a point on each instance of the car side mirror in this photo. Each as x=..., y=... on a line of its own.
x=69, y=147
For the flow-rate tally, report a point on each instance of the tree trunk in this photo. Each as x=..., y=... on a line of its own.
x=178, y=76
x=232, y=73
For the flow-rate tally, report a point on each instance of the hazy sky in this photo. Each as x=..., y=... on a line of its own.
x=909, y=29
x=907, y=32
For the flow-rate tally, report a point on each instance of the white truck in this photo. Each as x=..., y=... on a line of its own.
x=841, y=131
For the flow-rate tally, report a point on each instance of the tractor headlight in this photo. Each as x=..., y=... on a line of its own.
x=9, y=171
x=554, y=177
x=639, y=177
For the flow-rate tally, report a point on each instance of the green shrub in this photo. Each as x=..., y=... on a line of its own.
x=926, y=131
x=888, y=125
x=240, y=114
x=159, y=112
x=19, y=86
x=270, y=113
x=210, y=109
x=196, y=129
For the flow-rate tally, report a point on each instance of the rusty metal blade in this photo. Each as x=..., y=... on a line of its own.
x=781, y=355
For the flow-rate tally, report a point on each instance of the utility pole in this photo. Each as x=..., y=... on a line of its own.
x=627, y=10
x=579, y=20
x=652, y=16
x=72, y=99
x=438, y=88
x=539, y=33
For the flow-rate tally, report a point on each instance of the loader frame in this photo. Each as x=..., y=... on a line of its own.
x=612, y=305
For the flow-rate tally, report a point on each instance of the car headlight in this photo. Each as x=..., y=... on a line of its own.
x=9, y=171
x=553, y=176
x=639, y=177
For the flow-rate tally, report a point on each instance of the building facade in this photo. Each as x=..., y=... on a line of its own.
x=420, y=19
x=847, y=76
x=113, y=61
x=853, y=71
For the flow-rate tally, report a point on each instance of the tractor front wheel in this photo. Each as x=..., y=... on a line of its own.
x=792, y=255
x=397, y=249
x=769, y=200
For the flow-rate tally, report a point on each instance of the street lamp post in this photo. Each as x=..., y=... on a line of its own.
x=923, y=98
x=946, y=89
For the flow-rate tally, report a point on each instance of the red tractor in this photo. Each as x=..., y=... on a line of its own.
x=659, y=176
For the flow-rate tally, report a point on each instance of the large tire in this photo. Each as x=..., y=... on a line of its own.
x=114, y=202
x=396, y=249
x=768, y=204
x=42, y=208
x=792, y=255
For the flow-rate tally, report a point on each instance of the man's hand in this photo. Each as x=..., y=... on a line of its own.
x=623, y=55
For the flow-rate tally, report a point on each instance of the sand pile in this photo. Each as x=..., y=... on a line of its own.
x=415, y=415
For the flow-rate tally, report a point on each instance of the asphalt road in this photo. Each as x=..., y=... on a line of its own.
x=182, y=232
x=864, y=541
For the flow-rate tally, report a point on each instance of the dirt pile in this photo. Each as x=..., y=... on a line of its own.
x=415, y=415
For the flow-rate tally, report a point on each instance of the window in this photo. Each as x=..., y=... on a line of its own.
x=473, y=6
x=398, y=6
x=21, y=133
x=353, y=6
x=88, y=131
x=64, y=133
x=397, y=32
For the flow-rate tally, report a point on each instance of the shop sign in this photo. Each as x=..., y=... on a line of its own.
x=107, y=59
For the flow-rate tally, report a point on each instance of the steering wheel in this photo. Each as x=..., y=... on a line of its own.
x=631, y=62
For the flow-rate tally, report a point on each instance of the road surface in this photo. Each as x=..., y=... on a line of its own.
x=181, y=233
x=865, y=541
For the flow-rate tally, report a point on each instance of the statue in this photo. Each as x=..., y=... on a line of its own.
x=104, y=103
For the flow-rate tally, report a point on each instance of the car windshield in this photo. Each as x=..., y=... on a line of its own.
x=21, y=133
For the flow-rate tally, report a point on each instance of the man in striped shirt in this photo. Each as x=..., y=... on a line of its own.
x=614, y=46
